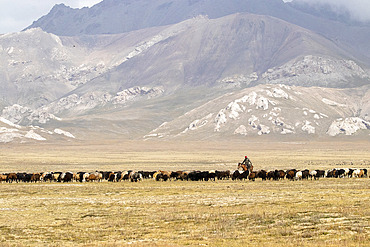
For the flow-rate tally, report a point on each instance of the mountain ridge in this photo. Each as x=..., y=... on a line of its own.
x=134, y=15
x=238, y=76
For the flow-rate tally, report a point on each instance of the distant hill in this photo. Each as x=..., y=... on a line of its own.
x=275, y=112
x=117, y=16
x=269, y=71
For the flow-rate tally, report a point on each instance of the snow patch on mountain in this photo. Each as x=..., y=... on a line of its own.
x=263, y=129
x=286, y=131
x=265, y=109
x=278, y=93
x=241, y=130
x=198, y=123
x=259, y=128
x=31, y=132
x=8, y=136
x=332, y=103
x=10, y=123
x=307, y=127
x=62, y=132
x=32, y=135
x=348, y=126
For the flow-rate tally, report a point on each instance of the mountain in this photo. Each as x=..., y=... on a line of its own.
x=235, y=76
x=119, y=16
x=238, y=50
x=278, y=112
x=10, y=132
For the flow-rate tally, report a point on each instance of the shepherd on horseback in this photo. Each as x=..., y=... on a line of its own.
x=246, y=165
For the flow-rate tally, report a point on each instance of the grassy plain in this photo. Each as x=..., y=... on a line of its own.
x=328, y=212
x=181, y=155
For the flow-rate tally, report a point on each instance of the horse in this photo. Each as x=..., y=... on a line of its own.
x=248, y=167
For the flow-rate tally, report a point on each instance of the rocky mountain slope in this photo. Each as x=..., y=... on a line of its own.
x=235, y=76
x=279, y=111
x=117, y=16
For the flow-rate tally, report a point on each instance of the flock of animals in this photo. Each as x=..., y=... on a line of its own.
x=242, y=173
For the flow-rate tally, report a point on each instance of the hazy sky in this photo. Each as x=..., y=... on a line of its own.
x=359, y=9
x=16, y=15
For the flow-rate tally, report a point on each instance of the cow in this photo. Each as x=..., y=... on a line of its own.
x=298, y=175
x=179, y=175
x=56, y=176
x=112, y=177
x=84, y=177
x=136, y=176
x=185, y=175
x=27, y=177
x=175, y=175
x=21, y=176
x=99, y=176
x=313, y=174
x=92, y=177
x=279, y=174
x=146, y=174
x=340, y=173
x=346, y=172
x=105, y=174
x=359, y=173
x=126, y=175
x=46, y=176
x=252, y=176
x=68, y=177
x=79, y=176
x=290, y=174
x=3, y=177
x=305, y=174
x=36, y=177
x=11, y=177
x=212, y=175
x=350, y=173
x=319, y=174
x=162, y=175
x=222, y=175
x=262, y=174
x=194, y=176
x=235, y=174
x=332, y=173
x=240, y=175
x=270, y=175
x=199, y=175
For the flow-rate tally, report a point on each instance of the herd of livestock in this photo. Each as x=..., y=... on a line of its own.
x=135, y=176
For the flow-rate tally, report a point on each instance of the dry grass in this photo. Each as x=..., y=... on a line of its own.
x=184, y=156
x=328, y=212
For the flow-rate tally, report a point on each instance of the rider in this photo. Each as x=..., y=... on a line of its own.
x=247, y=162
